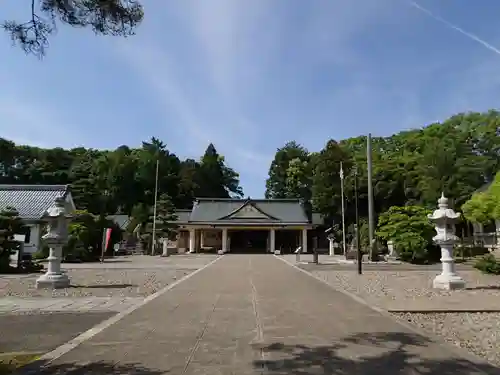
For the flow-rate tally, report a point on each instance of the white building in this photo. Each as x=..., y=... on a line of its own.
x=31, y=202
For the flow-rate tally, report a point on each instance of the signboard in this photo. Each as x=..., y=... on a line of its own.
x=19, y=237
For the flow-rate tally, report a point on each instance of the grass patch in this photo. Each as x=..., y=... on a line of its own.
x=12, y=361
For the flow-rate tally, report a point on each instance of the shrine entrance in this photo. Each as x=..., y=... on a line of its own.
x=249, y=241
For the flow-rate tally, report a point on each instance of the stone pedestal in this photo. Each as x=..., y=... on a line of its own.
x=55, y=238
x=448, y=279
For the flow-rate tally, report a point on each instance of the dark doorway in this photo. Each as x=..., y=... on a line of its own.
x=287, y=240
x=249, y=241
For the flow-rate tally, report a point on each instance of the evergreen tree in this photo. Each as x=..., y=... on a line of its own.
x=10, y=224
x=216, y=179
x=165, y=217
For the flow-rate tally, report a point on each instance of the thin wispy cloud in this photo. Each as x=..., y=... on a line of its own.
x=455, y=27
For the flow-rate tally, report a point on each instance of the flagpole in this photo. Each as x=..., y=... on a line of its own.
x=343, y=212
x=154, y=209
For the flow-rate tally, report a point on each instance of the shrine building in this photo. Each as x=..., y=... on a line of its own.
x=243, y=226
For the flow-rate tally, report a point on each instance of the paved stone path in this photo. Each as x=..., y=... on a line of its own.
x=39, y=333
x=13, y=305
x=255, y=314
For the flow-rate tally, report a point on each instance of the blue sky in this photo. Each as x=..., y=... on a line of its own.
x=251, y=75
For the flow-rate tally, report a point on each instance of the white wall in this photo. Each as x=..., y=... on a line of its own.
x=34, y=240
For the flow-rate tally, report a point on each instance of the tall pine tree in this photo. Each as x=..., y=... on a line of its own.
x=216, y=180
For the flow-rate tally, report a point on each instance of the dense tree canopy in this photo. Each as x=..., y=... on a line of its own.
x=284, y=180
x=457, y=157
x=105, y=17
x=109, y=182
x=484, y=206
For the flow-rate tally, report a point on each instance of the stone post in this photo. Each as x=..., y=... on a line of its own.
x=55, y=238
x=331, y=247
x=445, y=219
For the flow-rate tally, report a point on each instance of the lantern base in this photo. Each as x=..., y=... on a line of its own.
x=448, y=282
x=55, y=281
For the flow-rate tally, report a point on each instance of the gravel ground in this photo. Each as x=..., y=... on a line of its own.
x=383, y=287
x=477, y=332
x=96, y=283
x=131, y=276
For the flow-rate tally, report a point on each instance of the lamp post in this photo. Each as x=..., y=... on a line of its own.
x=343, y=210
x=358, y=247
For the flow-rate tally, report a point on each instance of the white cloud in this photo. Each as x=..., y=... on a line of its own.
x=26, y=122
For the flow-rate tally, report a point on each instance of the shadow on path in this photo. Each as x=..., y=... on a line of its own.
x=104, y=286
x=94, y=368
x=484, y=287
x=397, y=356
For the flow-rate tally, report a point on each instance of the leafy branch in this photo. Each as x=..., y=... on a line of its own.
x=105, y=17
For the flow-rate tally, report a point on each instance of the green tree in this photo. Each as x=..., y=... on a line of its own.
x=165, y=217
x=104, y=17
x=286, y=182
x=326, y=188
x=86, y=236
x=10, y=225
x=479, y=208
x=410, y=230
x=484, y=206
x=215, y=179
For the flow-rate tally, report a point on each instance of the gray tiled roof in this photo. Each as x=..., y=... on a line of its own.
x=183, y=215
x=31, y=201
x=121, y=220
x=278, y=210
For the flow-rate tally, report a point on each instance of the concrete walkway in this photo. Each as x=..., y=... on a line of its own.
x=33, y=305
x=255, y=314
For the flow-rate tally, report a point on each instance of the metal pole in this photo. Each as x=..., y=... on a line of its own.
x=344, y=248
x=360, y=254
x=370, y=194
x=154, y=209
x=103, y=218
x=103, y=245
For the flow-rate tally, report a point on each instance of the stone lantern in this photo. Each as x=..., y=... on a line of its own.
x=445, y=219
x=56, y=238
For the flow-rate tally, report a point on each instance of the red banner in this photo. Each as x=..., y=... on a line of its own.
x=108, y=237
